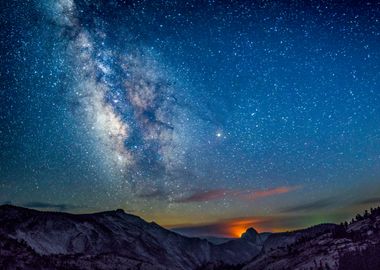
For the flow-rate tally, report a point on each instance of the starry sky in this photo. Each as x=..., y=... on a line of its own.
x=207, y=117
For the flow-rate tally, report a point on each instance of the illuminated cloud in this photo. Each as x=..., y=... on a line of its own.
x=245, y=195
x=255, y=194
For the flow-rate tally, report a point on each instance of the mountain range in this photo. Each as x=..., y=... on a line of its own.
x=31, y=239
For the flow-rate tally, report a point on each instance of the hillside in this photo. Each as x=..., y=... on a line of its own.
x=106, y=240
x=31, y=239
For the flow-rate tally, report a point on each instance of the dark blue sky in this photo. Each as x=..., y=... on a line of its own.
x=232, y=114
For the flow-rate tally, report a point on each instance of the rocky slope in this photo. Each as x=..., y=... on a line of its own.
x=106, y=240
x=343, y=247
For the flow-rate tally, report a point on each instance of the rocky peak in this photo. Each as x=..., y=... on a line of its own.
x=250, y=235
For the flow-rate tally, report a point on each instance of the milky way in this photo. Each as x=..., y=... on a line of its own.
x=130, y=103
x=202, y=112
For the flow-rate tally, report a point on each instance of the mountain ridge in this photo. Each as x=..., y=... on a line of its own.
x=115, y=232
x=32, y=239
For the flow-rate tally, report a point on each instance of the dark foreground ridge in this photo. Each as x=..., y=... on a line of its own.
x=31, y=239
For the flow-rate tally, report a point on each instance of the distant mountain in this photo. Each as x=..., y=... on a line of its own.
x=31, y=239
x=216, y=240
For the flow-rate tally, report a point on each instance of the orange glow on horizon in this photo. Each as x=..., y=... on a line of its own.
x=237, y=227
x=237, y=232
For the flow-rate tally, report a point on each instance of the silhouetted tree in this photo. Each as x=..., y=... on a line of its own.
x=358, y=217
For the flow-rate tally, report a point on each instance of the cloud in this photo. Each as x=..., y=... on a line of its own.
x=311, y=206
x=255, y=194
x=245, y=195
x=215, y=194
x=153, y=194
x=44, y=205
x=373, y=200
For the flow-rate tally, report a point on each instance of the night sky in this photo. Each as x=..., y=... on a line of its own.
x=204, y=116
